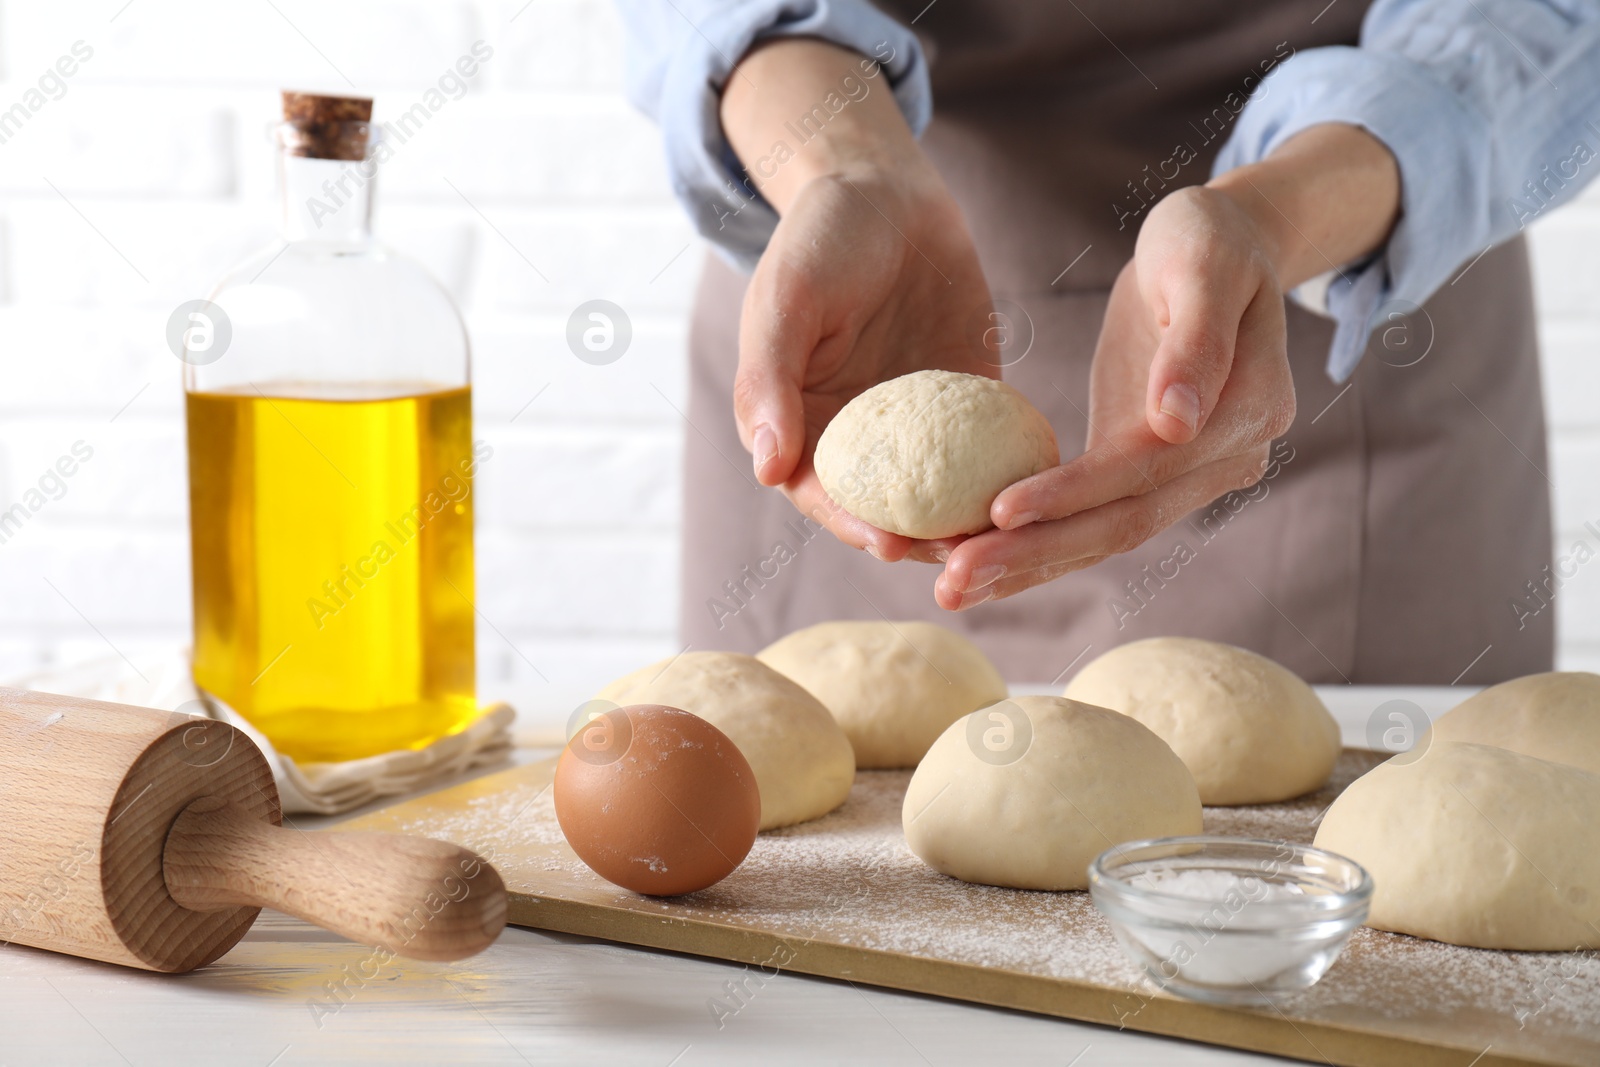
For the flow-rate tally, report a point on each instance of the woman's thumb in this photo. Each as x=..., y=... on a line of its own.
x=1188, y=371
x=766, y=390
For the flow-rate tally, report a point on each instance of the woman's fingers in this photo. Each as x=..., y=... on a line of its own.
x=1192, y=362
x=936, y=551
x=1127, y=463
x=805, y=492
x=1197, y=278
x=779, y=329
x=1013, y=560
x=1257, y=405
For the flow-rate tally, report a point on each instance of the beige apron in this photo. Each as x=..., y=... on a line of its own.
x=1396, y=535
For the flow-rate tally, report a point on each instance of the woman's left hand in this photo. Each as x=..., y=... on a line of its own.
x=1190, y=383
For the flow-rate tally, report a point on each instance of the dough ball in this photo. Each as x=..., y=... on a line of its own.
x=802, y=761
x=1027, y=792
x=1554, y=716
x=1476, y=846
x=894, y=687
x=1249, y=731
x=925, y=454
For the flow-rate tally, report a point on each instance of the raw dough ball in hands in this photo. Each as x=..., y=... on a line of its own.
x=1027, y=792
x=1476, y=846
x=802, y=761
x=1554, y=716
x=1250, y=731
x=893, y=686
x=925, y=454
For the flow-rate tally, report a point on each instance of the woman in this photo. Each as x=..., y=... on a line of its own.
x=1257, y=472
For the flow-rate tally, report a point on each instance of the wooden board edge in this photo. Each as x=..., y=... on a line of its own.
x=1166, y=1016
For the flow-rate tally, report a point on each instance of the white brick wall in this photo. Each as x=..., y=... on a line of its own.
x=160, y=143
x=1566, y=251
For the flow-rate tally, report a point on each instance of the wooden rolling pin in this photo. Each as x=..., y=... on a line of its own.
x=153, y=839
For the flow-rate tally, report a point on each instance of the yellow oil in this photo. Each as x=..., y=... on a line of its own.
x=331, y=539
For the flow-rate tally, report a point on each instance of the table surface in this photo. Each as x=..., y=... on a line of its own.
x=291, y=994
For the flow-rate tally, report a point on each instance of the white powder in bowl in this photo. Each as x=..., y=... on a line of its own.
x=1205, y=883
x=1221, y=944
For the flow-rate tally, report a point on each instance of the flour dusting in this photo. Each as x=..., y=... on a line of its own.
x=849, y=879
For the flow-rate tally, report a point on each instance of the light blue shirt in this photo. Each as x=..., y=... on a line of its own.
x=680, y=52
x=1491, y=107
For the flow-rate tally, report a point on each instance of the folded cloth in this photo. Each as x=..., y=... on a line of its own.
x=318, y=788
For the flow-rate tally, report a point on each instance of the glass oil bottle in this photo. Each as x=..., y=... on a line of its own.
x=331, y=467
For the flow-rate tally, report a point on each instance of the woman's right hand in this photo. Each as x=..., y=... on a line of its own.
x=870, y=274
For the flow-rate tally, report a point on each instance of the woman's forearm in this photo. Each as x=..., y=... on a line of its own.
x=796, y=109
x=1325, y=198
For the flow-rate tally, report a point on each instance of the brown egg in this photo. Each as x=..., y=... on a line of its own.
x=656, y=800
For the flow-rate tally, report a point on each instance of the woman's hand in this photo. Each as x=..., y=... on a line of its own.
x=870, y=274
x=863, y=281
x=1191, y=379
x=1189, y=386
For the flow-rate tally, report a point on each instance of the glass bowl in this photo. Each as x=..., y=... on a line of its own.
x=1230, y=920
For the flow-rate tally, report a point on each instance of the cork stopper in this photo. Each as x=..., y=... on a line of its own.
x=330, y=127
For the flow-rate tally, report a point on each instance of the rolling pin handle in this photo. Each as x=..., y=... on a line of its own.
x=413, y=896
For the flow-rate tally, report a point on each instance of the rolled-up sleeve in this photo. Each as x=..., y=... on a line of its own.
x=681, y=52
x=1490, y=107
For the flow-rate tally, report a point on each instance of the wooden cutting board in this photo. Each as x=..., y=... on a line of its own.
x=843, y=897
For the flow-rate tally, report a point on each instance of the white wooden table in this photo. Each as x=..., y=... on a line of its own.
x=291, y=994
